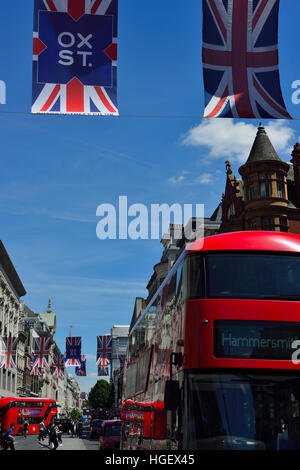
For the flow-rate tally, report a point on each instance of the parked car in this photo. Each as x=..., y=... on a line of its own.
x=95, y=427
x=110, y=434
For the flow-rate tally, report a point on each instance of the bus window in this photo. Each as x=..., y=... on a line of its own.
x=242, y=411
x=194, y=277
x=179, y=283
x=253, y=276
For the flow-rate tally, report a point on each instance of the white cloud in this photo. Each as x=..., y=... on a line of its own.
x=176, y=179
x=205, y=178
x=226, y=138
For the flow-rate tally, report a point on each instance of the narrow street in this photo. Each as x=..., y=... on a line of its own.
x=31, y=442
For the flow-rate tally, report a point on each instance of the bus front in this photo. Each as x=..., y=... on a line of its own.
x=241, y=386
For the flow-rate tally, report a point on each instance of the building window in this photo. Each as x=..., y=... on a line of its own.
x=267, y=223
x=250, y=179
x=251, y=193
x=231, y=211
x=279, y=176
x=264, y=176
x=279, y=190
x=252, y=224
x=265, y=190
x=283, y=224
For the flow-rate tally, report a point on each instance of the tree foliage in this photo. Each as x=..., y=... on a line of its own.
x=75, y=414
x=101, y=395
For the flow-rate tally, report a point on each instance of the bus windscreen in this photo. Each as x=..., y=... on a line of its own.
x=253, y=276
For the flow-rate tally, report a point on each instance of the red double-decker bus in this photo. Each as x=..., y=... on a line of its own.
x=210, y=360
x=15, y=410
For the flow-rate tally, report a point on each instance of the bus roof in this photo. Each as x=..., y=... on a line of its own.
x=255, y=240
x=33, y=399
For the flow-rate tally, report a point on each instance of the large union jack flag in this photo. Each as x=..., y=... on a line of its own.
x=8, y=352
x=73, y=351
x=240, y=59
x=104, y=348
x=41, y=351
x=75, y=57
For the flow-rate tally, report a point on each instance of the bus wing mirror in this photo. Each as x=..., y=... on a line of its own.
x=171, y=399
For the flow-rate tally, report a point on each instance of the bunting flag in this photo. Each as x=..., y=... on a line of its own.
x=81, y=371
x=75, y=57
x=73, y=351
x=240, y=59
x=103, y=367
x=59, y=365
x=104, y=348
x=41, y=351
x=35, y=371
x=8, y=352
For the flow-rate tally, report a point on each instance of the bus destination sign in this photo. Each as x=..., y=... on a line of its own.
x=244, y=339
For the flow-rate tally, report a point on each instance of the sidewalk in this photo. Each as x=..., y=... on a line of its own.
x=68, y=443
x=72, y=443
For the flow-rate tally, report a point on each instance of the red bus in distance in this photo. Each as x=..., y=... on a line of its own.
x=14, y=410
x=209, y=361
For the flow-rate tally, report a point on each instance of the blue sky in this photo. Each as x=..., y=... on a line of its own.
x=56, y=170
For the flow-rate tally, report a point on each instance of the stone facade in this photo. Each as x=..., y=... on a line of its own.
x=11, y=289
x=119, y=335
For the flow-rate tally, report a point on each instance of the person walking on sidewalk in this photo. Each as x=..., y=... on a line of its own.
x=59, y=436
x=79, y=429
x=25, y=427
x=73, y=428
x=42, y=430
x=9, y=438
x=53, y=433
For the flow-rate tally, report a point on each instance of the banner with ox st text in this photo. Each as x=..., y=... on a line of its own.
x=75, y=57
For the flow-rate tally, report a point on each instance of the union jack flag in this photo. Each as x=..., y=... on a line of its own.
x=240, y=59
x=41, y=351
x=59, y=365
x=77, y=72
x=81, y=371
x=103, y=367
x=73, y=351
x=8, y=352
x=104, y=348
x=35, y=371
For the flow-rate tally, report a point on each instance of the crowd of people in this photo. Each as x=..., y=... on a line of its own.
x=53, y=431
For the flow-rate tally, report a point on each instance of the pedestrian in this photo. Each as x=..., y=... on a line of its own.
x=2, y=437
x=53, y=433
x=79, y=427
x=59, y=436
x=42, y=430
x=9, y=438
x=25, y=427
x=73, y=428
